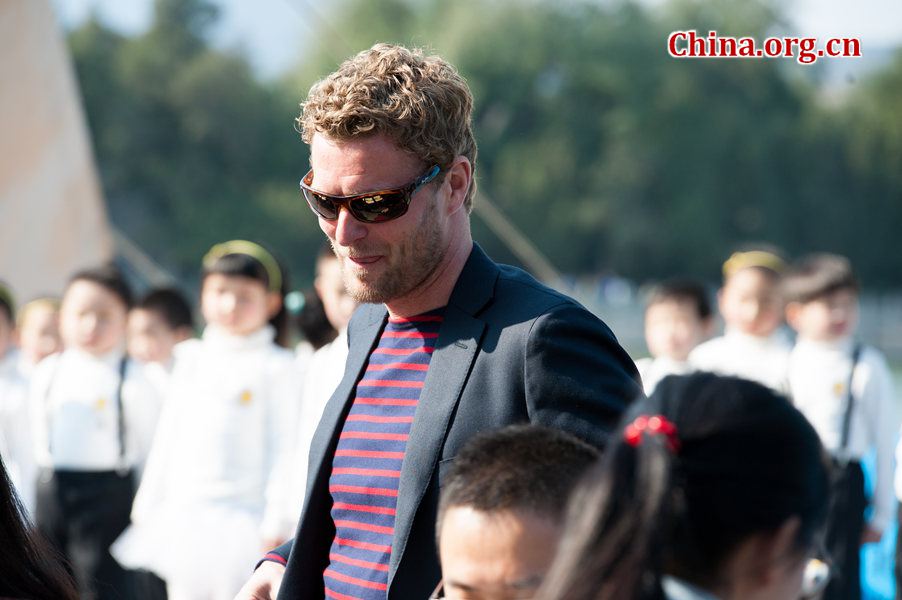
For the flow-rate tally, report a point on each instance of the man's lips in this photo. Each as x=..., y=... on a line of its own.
x=363, y=260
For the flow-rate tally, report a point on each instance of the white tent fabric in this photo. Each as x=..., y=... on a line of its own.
x=52, y=216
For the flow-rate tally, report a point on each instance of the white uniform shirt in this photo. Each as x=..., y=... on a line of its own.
x=819, y=376
x=16, y=446
x=738, y=354
x=653, y=370
x=76, y=417
x=223, y=437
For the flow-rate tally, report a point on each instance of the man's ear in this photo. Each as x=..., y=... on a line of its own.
x=459, y=178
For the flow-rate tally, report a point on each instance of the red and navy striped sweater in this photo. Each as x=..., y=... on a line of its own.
x=366, y=467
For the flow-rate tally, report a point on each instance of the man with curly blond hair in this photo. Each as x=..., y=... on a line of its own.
x=447, y=343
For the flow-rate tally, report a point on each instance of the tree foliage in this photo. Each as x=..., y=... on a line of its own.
x=606, y=152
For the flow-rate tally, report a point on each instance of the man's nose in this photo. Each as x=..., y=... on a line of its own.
x=348, y=230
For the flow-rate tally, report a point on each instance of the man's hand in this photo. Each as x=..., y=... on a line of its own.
x=264, y=583
x=870, y=535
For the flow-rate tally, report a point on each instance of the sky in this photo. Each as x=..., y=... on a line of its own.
x=272, y=32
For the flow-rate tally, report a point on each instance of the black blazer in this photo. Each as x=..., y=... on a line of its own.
x=510, y=350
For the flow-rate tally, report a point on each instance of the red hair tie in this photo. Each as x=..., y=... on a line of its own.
x=653, y=425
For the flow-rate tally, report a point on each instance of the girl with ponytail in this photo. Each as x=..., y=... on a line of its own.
x=716, y=488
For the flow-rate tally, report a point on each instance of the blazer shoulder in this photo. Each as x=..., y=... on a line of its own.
x=518, y=288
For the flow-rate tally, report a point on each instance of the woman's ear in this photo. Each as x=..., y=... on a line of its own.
x=707, y=327
x=273, y=303
x=768, y=556
x=783, y=548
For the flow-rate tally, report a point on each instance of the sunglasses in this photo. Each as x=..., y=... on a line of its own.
x=371, y=207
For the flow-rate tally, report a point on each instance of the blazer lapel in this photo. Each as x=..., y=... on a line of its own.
x=456, y=349
x=363, y=338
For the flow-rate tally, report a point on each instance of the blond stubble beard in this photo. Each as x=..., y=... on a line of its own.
x=417, y=258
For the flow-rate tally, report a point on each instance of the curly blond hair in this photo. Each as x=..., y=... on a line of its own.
x=421, y=102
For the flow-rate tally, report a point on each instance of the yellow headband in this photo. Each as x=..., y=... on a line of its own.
x=48, y=302
x=753, y=258
x=255, y=251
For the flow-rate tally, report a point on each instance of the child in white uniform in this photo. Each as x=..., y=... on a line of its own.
x=94, y=416
x=677, y=319
x=15, y=421
x=215, y=483
x=159, y=321
x=752, y=346
x=38, y=332
x=324, y=369
x=822, y=307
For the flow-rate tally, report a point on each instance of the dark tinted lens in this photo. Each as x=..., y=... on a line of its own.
x=379, y=207
x=321, y=205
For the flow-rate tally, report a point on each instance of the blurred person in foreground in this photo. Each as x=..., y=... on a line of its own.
x=446, y=344
x=30, y=569
x=501, y=510
x=677, y=319
x=752, y=346
x=846, y=391
x=716, y=488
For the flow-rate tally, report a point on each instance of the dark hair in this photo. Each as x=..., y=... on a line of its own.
x=527, y=467
x=818, y=275
x=313, y=322
x=7, y=304
x=29, y=567
x=244, y=265
x=171, y=305
x=108, y=277
x=682, y=290
x=746, y=461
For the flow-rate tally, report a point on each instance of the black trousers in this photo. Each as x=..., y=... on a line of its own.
x=845, y=524
x=82, y=513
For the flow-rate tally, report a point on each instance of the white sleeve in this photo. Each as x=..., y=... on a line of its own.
x=882, y=425
x=38, y=389
x=142, y=402
x=152, y=481
x=704, y=356
x=283, y=401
